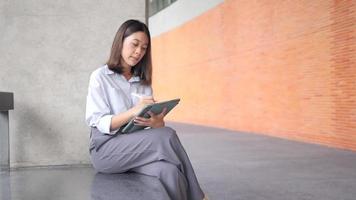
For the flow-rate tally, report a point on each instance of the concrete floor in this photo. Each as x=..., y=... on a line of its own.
x=229, y=165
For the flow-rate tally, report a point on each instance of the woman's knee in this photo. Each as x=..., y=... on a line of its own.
x=160, y=169
x=166, y=132
x=167, y=169
x=161, y=134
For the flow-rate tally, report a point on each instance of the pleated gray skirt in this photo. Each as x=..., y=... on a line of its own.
x=154, y=152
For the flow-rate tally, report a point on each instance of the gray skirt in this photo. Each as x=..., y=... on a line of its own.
x=154, y=152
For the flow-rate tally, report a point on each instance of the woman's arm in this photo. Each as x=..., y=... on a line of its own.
x=99, y=114
x=120, y=119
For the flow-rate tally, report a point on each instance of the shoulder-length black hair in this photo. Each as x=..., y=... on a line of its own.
x=143, y=69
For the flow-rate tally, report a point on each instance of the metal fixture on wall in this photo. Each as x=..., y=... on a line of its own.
x=154, y=6
x=6, y=104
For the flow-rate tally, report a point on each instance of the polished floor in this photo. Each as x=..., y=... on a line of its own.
x=229, y=165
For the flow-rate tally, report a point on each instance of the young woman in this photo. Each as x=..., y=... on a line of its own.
x=110, y=104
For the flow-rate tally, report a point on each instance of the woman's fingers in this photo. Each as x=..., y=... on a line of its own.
x=164, y=112
x=151, y=114
x=160, y=115
x=154, y=120
x=144, y=101
x=142, y=121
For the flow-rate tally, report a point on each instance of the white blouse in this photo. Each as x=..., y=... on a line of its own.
x=109, y=94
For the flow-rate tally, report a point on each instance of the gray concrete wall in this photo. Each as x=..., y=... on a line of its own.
x=48, y=49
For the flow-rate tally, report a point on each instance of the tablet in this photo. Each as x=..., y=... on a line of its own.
x=156, y=108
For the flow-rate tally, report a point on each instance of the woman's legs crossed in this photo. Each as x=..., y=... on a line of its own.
x=129, y=151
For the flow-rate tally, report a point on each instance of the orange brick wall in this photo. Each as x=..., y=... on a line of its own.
x=280, y=68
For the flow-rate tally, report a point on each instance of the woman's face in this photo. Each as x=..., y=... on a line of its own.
x=134, y=48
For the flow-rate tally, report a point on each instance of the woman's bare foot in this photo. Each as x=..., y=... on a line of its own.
x=205, y=197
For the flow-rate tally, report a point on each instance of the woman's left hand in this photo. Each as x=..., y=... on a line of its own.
x=155, y=121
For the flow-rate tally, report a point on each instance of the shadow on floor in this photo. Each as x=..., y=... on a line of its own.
x=77, y=183
x=127, y=187
x=229, y=165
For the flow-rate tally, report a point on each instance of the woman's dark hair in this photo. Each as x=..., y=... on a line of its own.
x=143, y=69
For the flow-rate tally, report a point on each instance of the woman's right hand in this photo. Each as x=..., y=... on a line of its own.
x=144, y=101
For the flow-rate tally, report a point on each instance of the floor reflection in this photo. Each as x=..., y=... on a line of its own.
x=127, y=186
x=5, y=190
